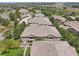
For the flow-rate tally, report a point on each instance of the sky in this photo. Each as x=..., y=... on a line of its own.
x=39, y=0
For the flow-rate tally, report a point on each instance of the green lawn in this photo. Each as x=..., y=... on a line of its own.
x=13, y=52
x=28, y=51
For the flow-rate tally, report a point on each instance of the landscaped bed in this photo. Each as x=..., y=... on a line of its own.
x=13, y=52
x=28, y=51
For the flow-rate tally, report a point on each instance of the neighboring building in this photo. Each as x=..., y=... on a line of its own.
x=59, y=19
x=24, y=13
x=4, y=15
x=25, y=20
x=40, y=21
x=6, y=8
x=39, y=15
x=38, y=11
x=58, y=5
x=72, y=18
x=11, y=11
x=1, y=37
x=52, y=48
x=72, y=26
x=40, y=33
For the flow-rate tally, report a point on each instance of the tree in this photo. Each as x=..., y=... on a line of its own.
x=47, y=12
x=4, y=22
x=8, y=34
x=73, y=14
x=16, y=33
x=11, y=43
x=14, y=43
x=3, y=48
x=11, y=15
x=17, y=13
x=21, y=27
x=18, y=30
x=77, y=18
x=34, y=11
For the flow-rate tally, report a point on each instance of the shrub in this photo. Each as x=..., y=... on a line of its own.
x=77, y=18
x=12, y=43
x=11, y=15
x=13, y=52
x=3, y=48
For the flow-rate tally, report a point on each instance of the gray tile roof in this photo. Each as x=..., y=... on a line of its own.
x=72, y=18
x=72, y=24
x=40, y=31
x=59, y=18
x=52, y=48
x=25, y=20
x=40, y=20
x=39, y=15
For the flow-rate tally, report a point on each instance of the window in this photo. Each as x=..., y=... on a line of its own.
x=50, y=37
x=31, y=37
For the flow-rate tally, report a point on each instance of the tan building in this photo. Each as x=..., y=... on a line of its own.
x=40, y=33
x=59, y=19
x=72, y=18
x=4, y=15
x=24, y=13
x=72, y=26
x=25, y=20
x=52, y=48
x=39, y=15
x=40, y=21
